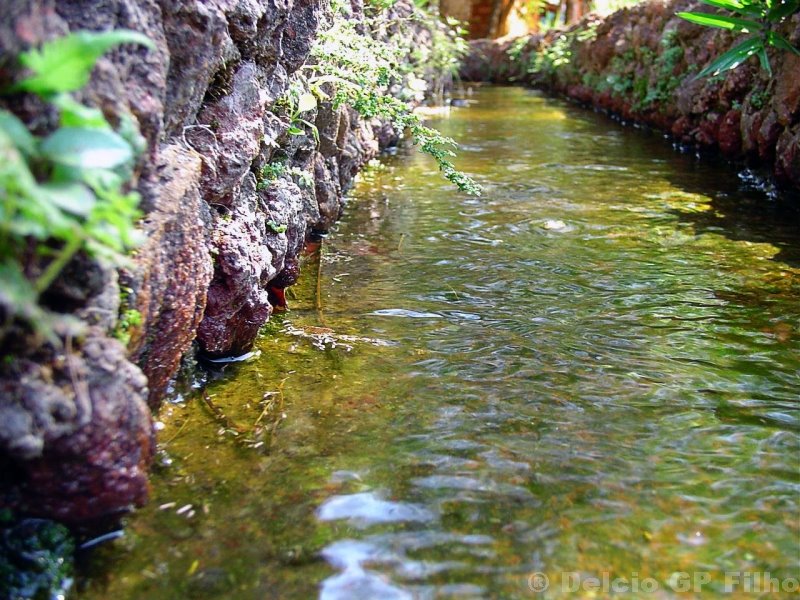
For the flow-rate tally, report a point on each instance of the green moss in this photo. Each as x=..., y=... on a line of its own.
x=128, y=321
x=269, y=173
x=660, y=91
x=759, y=98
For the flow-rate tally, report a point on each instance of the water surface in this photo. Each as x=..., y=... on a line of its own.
x=591, y=370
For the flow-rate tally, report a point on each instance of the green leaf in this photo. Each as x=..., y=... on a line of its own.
x=730, y=23
x=314, y=130
x=733, y=57
x=307, y=102
x=764, y=59
x=777, y=40
x=18, y=133
x=86, y=148
x=64, y=64
x=295, y=130
x=73, y=198
x=75, y=114
x=727, y=4
x=19, y=298
x=781, y=10
x=736, y=6
x=318, y=81
x=319, y=92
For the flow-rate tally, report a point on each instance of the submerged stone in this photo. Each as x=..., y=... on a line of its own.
x=35, y=560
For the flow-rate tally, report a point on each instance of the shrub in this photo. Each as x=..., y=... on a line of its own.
x=66, y=192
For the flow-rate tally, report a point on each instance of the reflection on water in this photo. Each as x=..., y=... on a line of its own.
x=593, y=369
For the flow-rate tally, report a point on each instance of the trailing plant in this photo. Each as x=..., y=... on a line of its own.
x=363, y=70
x=757, y=17
x=64, y=192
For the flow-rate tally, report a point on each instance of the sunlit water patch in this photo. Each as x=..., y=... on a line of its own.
x=590, y=372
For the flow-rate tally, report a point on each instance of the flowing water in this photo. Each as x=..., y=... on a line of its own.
x=592, y=371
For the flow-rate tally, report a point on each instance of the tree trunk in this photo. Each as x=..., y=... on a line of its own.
x=494, y=19
x=500, y=11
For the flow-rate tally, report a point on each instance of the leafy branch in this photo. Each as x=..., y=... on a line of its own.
x=358, y=70
x=757, y=17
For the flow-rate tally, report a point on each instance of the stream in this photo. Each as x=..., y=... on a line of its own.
x=589, y=372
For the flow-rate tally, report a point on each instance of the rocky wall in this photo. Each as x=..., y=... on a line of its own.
x=640, y=65
x=76, y=434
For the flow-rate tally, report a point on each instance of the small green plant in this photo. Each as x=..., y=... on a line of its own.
x=514, y=51
x=448, y=49
x=269, y=173
x=65, y=192
x=554, y=56
x=666, y=63
x=303, y=178
x=128, y=320
x=273, y=171
x=36, y=558
x=759, y=98
x=379, y=5
x=588, y=33
x=757, y=17
x=297, y=101
x=275, y=227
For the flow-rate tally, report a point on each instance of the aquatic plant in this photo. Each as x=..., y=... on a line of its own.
x=65, y=192
x=757, y=17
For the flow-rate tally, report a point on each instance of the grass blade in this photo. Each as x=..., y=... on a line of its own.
x=733, y=57
x=729, y=23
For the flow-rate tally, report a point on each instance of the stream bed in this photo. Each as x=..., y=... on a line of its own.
x=590, y=374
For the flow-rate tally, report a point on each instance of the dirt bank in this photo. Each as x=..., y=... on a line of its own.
x=640, y=65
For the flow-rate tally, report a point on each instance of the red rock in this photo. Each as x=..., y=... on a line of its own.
x=768, y=135
x=173, y=268
x=76, y=431
x=751, y=123
x=787, y=165
x=730, y=133
x=786, y=98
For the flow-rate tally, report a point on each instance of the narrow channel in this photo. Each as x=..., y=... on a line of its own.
x=592, y=370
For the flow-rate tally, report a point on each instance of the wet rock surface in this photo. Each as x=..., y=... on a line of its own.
x=639, y=64
x=75, y=430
